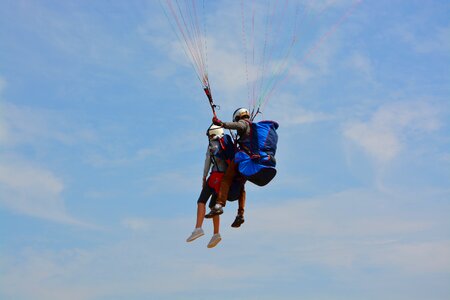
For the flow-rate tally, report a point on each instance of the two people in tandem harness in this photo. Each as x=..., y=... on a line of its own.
x=231, y=164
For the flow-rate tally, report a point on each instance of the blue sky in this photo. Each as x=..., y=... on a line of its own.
x=102, y=143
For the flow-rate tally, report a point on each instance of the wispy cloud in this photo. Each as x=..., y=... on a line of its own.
x=434, y=41
x=38, y=127
x=362, y=64
x=27, y=187
x=33, y=191
x=387, y=131
x=353, y=228
x=348, y=231
x=175, y=181
x=417, y=257
x=109, y=157
x=72, y=33
x=136, y=224
x=236, y=51
x=342, y=245
x=329, y=215
x=29, y=125
x=288, y=109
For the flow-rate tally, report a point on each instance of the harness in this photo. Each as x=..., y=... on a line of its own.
x=226, y=153
x=251, y=144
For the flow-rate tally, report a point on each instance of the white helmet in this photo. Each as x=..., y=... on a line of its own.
x=240, y=113
x=215, y=131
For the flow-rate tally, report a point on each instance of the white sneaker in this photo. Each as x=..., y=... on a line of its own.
x=198, y=232
x=214, y=240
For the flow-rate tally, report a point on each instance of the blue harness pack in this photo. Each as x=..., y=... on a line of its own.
x=256, y=158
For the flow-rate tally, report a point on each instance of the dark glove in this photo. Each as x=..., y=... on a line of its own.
x=217, y=122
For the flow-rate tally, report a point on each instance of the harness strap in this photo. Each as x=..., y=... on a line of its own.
x=213, y=159
x=214, y=162
x=250, y=137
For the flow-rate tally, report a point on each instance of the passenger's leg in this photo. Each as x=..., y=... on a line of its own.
x=216, y=224
x=201, y=203
x=216, y=238
x=201, y=210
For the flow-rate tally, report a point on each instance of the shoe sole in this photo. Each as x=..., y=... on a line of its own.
x=190, y=239
x=210, y=215
x=212, y=245
x=237, y=224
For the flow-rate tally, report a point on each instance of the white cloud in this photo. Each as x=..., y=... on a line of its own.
x=129, y=267
x=224, y=55
x=233, y=70
x=108, y=157
x=174, y=182
x=287, y=108
x=362, y=64
x=417, y=257
x=42, y=276
x=28, y=125
x=328, y=215
x=227, y=67
x=355, y=229
x=136, y=224
x=433, y=40
x=385, y=135
x=440, y=41
x=300, y=115
x=25, y=187
x=80, y=36
x=346, y=232
x=33, y=191
x=317, y=58
x=381, y=143
x=111, y=154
